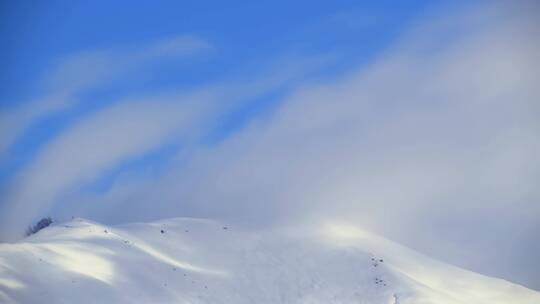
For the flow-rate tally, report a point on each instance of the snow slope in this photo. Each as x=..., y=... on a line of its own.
x=201, y=261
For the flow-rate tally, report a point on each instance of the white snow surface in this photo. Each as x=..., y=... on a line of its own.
x=204, y=261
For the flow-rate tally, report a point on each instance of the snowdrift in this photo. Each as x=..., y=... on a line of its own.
x=202, y=261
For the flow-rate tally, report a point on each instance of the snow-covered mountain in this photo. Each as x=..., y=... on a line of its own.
x=202, y=261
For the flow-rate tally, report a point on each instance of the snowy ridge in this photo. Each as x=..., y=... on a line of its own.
x=201, y=261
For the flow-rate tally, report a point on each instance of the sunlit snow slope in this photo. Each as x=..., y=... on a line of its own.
x=201, y=261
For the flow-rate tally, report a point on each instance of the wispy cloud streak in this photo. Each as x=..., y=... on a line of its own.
x=86, y=70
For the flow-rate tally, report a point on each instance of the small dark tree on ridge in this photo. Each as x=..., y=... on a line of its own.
x=44, y=222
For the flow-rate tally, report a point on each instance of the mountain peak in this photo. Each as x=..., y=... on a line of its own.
x=185, y=260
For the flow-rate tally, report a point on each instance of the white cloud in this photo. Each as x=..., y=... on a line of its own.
x=99, y=142
x=123, y=131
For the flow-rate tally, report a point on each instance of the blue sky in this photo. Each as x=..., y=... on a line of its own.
x=242, y=38
x=38, y=34
x=415, y=119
